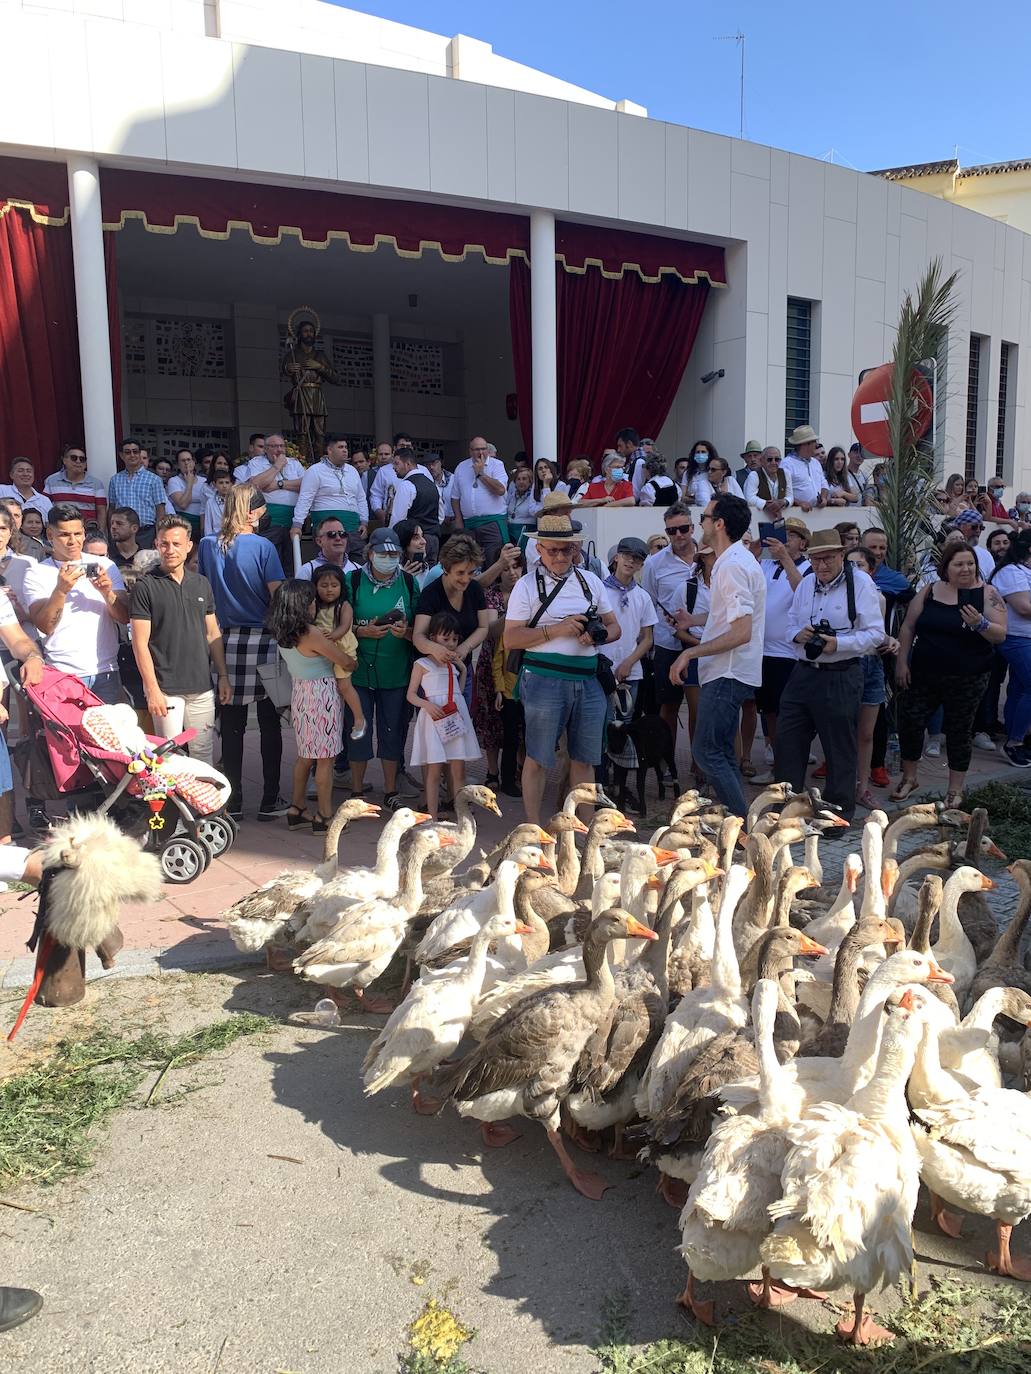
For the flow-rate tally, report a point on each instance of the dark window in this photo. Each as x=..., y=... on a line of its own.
x=973, y=387
x=1000, y=438
x=799, y=361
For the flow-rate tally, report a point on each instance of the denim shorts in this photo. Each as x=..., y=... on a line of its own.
x=386, y=713
x=553, y=705
x=873, y=681
x=6, y=776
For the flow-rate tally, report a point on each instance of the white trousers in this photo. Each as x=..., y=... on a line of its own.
x=193, y=712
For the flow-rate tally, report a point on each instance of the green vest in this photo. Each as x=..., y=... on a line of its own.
x=385, y=662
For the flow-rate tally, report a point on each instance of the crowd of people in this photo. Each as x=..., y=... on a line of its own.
x=447, y=616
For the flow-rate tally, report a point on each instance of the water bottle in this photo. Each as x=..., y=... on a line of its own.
x=326, y=1013
x=892, y=757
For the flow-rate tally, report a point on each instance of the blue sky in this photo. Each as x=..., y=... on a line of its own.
x=881, y=83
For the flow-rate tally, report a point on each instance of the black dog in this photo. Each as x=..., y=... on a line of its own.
x=653, y=740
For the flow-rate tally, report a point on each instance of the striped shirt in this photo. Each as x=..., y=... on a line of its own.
x=88, y=494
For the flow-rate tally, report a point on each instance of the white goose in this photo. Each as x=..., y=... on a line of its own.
x=461, y=921
x=350, y=885
x=953, y=951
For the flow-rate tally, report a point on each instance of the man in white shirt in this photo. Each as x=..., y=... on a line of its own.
x=478, y=499
x=634, y=612
x=21, y=488
x=663, y=578
x=278, y=478
x=416, y=497
x=384, y=478
x=332, y=487
x=768, y=488
x=808, y=481
x=443, y=481
x=331, y=539
x=730, y=653
x=255, y=449
x=856, y=477
x=77, y=601
x=834, y=621
x=557, y=683
x=783, y=571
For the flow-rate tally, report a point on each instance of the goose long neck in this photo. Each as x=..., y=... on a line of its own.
x=812, y=857
x=387, y=850
x=657, y=953
x=884, y=1095
x=331, y=844
x=597, y=964
x=410, y=894
x=725, y=970
x=975, y=835
x=845, y=984
x=475, y=970
x=988, y=1006
x=950, y=928
x=771, y=1074
x=873, y=859
x=1007, y=945
x=929, y=1082
x=864, y=1036
x=934, y=858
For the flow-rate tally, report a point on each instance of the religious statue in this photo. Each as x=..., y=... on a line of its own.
x=306, y=367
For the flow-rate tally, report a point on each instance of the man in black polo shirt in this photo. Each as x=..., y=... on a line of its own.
x=174, y=631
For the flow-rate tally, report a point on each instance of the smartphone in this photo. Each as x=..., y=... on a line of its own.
x=93, y=571
x=966, y=596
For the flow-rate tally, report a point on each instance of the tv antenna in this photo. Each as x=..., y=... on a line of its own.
x=739, y=39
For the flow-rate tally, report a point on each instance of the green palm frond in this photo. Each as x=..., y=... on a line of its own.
x=907, y=495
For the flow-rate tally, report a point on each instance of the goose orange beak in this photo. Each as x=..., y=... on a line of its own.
x=986, y=883
x=492, y=805
x=638, y=931
x=545, y=838
x=542, y=865
x=655, y=883
x=444, y=838
x=938, y=974
x=577, y=826
x=907, y=1000
x=421, y=816
x=369, y=809
x=710, y=870
x=624, y=822
x=811, y=948
x=993, y=849
x=852, y=880
x=665, y=856
x=522, y=929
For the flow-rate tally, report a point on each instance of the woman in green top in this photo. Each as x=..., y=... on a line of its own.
x=383, y=597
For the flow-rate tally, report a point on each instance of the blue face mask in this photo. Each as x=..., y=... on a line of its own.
x=617, y=474
x=385, y=562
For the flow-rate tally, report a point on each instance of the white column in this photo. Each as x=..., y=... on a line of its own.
x=381, y=405
x=91, y=311
x=543, y=325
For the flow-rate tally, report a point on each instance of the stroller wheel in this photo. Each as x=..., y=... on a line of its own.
x=218, y=833
x=183, y=859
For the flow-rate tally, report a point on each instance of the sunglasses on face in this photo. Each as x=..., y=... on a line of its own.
x=333, y=534
x=679, y=529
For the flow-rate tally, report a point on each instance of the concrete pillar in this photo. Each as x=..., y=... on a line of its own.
x=381, y=404
x=91, y=311
x=543, y=334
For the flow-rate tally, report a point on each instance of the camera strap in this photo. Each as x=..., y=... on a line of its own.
x=850, y=593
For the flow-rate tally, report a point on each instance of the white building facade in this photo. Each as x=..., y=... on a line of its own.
x=294, y=96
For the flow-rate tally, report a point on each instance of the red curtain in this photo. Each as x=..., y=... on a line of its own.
x=623, y=346
x=40, y=395
x=40, y=386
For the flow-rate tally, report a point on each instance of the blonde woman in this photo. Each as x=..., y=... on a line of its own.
x=244, y=570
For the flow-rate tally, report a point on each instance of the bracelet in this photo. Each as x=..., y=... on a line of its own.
x=983, y=624
x=547, y=637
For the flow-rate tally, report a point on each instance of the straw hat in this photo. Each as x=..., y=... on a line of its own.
x=753, y=446
x=556, y=500
x=799, y=526
x=804, y=434
x=558, y=529
x=825, y=541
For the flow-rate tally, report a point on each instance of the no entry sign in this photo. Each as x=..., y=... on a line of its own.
x=870, y=409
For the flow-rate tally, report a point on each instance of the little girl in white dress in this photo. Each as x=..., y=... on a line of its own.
x=453, y=742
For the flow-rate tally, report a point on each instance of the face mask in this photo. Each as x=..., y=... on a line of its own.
x=1024, y=507
x=385, y=562
x=995, y=492
x=617, y=474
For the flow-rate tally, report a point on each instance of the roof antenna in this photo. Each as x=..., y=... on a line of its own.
x=739, y=39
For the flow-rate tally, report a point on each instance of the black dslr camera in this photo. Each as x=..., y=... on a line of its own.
x=595, y=628
x=814, y=647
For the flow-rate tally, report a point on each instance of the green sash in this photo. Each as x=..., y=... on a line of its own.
x=281, y=517
x=348, y=518
x=475, y=522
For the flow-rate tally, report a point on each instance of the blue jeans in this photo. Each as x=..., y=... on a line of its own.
x=552, y=705
x=714, y=744
x=106, y=686
x=386, y=713
x=1016, y=650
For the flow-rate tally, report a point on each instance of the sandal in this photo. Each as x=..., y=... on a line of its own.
x=748, y=769
x=905, y=789
x=864, y=797
x=319, y=824
x=953, y=801
x=491, y=780
x=295, y=816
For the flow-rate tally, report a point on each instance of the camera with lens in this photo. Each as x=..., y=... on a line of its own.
x=815, y=646
x=596, y=629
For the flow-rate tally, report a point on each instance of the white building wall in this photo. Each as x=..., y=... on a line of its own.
x=792, y=225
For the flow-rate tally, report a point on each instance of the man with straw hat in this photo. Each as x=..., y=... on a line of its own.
x=808, y=480
x=834, y=621
x=559, y=616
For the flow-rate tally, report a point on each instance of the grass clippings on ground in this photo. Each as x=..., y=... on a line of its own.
x=48, y=1114
x=955, y=1328
x=1009, y=815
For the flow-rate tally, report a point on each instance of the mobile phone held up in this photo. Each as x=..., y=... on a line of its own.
x=93, y=571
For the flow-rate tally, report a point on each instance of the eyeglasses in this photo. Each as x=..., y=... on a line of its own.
x=706, y=516
x=333, y=534
x=472, y=450
x=679, y=529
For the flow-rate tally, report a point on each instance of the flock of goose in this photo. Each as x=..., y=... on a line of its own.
x=792, y=1057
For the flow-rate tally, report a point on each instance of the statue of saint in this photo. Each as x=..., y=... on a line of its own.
x=306, y=367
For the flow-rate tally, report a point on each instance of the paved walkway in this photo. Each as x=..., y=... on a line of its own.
x=183, y=932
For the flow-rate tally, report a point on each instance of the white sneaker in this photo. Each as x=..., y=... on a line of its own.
x=812, y=759
x=983, y=741
x=761, y=779
x=768, y=754
x=934, y=748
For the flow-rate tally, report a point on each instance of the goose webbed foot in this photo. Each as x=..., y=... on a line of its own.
x=1002, y=1262
x=495, y=1135
x=950, y=1223
x=589, y=1185
x=862, y=1330
x=704, y=1312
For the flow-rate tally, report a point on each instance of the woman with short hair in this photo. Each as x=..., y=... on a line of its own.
x=458, y=591
x=612, y=488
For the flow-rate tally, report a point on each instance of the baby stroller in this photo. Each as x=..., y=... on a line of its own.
x=78, y=747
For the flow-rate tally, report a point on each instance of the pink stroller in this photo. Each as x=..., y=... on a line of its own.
x=78, y=747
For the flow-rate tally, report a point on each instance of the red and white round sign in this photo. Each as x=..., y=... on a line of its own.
x=870, y=410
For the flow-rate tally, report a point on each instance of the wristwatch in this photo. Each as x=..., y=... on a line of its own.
x=279, y=483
